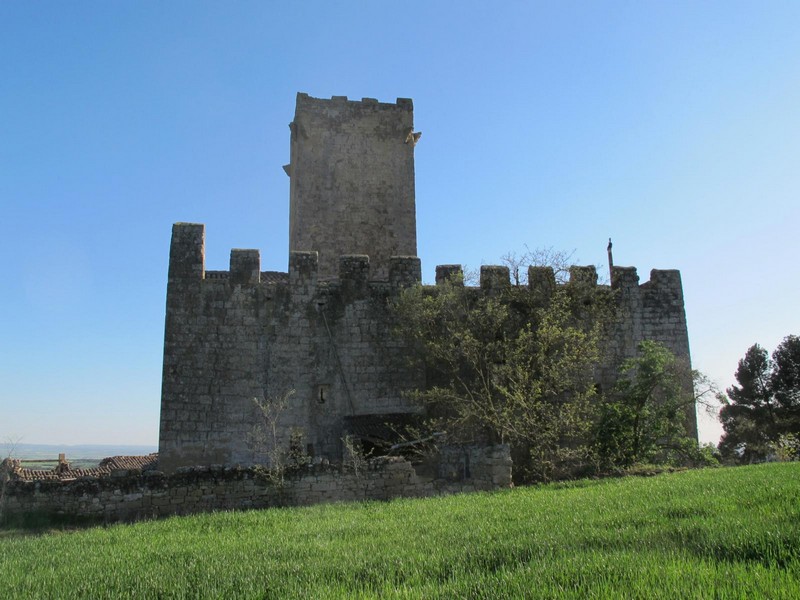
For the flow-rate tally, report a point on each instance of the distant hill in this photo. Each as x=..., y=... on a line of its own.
x=81, y=451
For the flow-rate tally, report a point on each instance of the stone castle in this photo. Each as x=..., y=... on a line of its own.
x=323, y=329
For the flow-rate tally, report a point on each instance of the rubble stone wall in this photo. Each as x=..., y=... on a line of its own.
x=132, y=495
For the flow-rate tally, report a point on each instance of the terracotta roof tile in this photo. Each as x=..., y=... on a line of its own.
x=105, y=468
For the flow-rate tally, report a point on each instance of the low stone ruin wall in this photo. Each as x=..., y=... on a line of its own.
x=133, y=495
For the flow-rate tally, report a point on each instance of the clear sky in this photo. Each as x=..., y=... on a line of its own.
x=672, y=127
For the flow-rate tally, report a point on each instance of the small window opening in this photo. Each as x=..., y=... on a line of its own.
x=322, y=393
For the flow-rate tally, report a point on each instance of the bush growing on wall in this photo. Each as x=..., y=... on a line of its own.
x=644, y=418
x=512, y=366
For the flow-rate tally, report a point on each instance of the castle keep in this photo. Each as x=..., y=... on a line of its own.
x=323, y=328
x=352, y=182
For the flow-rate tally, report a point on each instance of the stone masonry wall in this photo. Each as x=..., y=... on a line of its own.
x=239, y=335
x=231, y=338
x=132, y=495
x=352, y=181
x=655, y=311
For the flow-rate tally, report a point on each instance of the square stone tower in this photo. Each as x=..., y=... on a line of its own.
x=352, y=181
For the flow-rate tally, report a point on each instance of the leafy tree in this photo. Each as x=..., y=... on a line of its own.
x=766, y=403
x=787, y=447
x=514, y=366
x=644, y=418
x=747, y=414
x=785, y=384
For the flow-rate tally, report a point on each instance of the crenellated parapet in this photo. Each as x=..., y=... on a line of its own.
x=245, y=266
x=187, y=263
x=451, y=273
x=306, y=102
x=187, y=255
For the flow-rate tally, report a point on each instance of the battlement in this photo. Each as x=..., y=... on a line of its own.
x=187, y=253
x=665, y=282
x=453, y=273
x=304, y=100
x=187, y=262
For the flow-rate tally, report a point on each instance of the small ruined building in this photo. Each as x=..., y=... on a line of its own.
x=323, y=328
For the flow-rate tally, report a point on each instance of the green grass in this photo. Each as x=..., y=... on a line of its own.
x=724, y=533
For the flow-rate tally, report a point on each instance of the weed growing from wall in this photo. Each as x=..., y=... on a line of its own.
x=266, y=442
x=356, y=460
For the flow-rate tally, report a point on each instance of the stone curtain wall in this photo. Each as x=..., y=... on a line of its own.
x=132, y=495
x=238, y=335
x=352, y=181
x=214, y=355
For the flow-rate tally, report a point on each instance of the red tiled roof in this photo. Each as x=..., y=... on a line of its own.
x=106, y=466
x=130, y=462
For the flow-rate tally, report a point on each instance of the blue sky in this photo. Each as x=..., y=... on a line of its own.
x=671, y=127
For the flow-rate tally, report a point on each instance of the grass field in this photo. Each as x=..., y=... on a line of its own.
x=724, y=533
